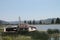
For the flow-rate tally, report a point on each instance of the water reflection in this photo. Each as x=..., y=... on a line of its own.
x=54, y=38
x=46, y=27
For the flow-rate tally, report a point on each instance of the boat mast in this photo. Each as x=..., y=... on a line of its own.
x=19, y=20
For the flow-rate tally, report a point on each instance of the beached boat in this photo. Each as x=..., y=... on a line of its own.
x=21, y=27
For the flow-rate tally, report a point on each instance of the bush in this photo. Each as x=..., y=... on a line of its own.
x=7, y=38
x=52, y=31
x=39, y=35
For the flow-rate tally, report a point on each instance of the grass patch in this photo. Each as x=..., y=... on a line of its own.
x=1, y=30
x=26, y=36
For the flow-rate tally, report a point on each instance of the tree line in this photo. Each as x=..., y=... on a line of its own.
x=32, y=22
x=57, y=21
x=53, y=21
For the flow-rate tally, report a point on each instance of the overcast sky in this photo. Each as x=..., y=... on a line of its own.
x=10, y=10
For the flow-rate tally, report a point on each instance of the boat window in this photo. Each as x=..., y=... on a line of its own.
x=23, y=28
x=11, y=29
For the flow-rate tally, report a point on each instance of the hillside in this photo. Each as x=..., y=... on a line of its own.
x=3, y=22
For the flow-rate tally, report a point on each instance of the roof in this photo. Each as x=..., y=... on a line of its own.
x=10, y=26
x=26, y=26
x=32, y=26
x=23, y=26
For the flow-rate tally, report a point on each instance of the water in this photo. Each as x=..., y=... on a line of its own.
x=51, y=38
x=54, y=38
x=46, y=27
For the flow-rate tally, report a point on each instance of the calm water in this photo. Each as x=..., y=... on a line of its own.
x=46, y=27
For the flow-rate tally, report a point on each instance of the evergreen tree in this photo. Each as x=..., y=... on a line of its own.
x=33, y=21
x=40, y=22
x=57, y=21
x=25, y=21
x=29, y=22
x=52, y=22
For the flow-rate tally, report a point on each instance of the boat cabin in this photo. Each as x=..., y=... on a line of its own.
x=10, y=29
x=26, y=27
